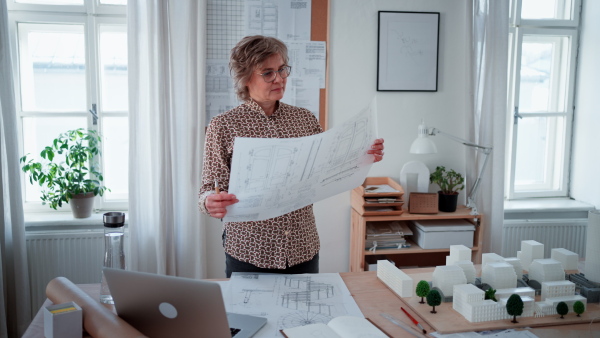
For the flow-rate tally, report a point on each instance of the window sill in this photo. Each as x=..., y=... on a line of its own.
x=59, y=221
x=540, y=208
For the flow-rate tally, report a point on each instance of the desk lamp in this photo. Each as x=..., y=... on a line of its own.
x=424, y=145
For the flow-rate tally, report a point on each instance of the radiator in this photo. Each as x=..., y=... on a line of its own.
x=76, y=255
x=553, y=233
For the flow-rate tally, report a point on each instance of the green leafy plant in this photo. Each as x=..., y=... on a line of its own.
x=422, y=290
x=449, y=181
x=514, y=306
x=434, y=299
x=67, y=167
x=490, y=294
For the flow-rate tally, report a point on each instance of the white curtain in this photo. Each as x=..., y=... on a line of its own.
x=15, y=312
x=166, y=93
x=488, y=66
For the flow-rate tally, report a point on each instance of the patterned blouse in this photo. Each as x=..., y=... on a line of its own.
x=277, y=242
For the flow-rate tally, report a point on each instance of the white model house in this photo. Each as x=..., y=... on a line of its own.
x=499, y=275
x=446, y=276
x=530, y=250
x=568, y=259
x=394, y=278
x=546, y=270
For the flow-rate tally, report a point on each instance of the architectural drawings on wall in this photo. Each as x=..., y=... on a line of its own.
x=271, y=177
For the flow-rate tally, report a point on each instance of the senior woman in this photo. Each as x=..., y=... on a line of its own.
x=283, y=244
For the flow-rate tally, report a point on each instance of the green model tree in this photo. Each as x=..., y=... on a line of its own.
x=490, y=294
x=434, y=299
x=578, y=308
x=562, y=309
x=514, y=306
x=422, y=290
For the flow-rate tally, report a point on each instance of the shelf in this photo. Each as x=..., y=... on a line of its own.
x=360, y=257
x=414, y=249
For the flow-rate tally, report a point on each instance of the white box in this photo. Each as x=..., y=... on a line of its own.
x=441, y=234
x=63, y=321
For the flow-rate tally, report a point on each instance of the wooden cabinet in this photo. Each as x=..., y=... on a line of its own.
x=414, y=255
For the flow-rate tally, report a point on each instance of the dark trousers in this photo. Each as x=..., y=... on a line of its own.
x=234, y=265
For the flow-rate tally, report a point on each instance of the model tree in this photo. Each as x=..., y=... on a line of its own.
x=578, y=308
x=434, y=299
x=422, y=290
x=514, y=306
x=562, y=309
x=490, y=294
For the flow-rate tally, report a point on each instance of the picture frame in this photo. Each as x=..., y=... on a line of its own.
x=407, y=51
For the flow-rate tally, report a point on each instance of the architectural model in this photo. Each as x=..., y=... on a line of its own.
x=458, y=253
x=394, y=278
x=490, y=258
x=499, y=275
x=445, y=277
x=469, y=301
x=546, y=270
x=530, y=250
x=592, y=249
x=568, y=259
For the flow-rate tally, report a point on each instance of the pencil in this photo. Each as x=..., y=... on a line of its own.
x=217, y=191
x=413, y=320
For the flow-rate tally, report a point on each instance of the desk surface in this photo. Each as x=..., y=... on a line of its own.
x=373, y=298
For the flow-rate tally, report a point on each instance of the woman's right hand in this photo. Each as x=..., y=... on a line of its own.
x=216, y=203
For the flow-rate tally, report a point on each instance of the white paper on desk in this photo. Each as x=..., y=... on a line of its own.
x=271, y=177
x=290, y=300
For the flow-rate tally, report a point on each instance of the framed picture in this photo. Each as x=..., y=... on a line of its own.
x=408, y=48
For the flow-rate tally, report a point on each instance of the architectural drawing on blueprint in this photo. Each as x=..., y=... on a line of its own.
x=272, y=177
x=290, y=300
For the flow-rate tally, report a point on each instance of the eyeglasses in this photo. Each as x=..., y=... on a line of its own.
x=270, y=75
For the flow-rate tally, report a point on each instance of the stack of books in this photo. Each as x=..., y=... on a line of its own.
x=387, y=235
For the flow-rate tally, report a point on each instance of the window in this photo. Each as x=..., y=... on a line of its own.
x=543, y=55
x=70, y=57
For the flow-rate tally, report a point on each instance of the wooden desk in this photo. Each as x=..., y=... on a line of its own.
x=373, y=298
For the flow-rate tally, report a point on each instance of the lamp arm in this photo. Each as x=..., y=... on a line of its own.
x=473, y=193
x=435, y=131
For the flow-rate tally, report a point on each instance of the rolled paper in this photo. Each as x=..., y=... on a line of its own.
x=98, y=321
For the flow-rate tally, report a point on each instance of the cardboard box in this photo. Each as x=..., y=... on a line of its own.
x=440, y=234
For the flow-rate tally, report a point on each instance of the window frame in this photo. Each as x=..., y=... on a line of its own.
x=91, y=15
x=545, y=27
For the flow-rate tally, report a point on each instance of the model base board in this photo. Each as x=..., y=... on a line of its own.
x=447, y=320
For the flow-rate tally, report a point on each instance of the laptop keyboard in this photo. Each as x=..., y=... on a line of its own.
x=234, y=331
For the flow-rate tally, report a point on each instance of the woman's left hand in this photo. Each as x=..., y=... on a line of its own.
x=377, y=149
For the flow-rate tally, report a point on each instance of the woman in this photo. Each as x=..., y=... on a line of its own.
x=283, y=244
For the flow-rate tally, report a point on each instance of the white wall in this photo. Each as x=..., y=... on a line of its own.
x=585, y=184
x=352, y=86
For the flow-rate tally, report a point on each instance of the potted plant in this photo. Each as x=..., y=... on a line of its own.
x=450, y=183
x=67, y=172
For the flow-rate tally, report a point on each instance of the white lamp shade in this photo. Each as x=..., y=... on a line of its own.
x=423, y=144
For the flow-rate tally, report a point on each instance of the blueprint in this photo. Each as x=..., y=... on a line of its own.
x=272, y=176
x=289, y=300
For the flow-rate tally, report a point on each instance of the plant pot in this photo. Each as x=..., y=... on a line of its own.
x=447, y=202
x=82, y=204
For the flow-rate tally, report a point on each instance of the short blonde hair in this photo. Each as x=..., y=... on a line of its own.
x=248, y=55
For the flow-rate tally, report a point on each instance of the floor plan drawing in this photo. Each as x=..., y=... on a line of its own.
x=290, y=300
x=271, y=177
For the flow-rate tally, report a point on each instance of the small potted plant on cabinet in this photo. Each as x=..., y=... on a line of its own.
x=67, y=172
x=450, y=183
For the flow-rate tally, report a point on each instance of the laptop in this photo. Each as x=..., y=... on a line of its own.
x=167, y=306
